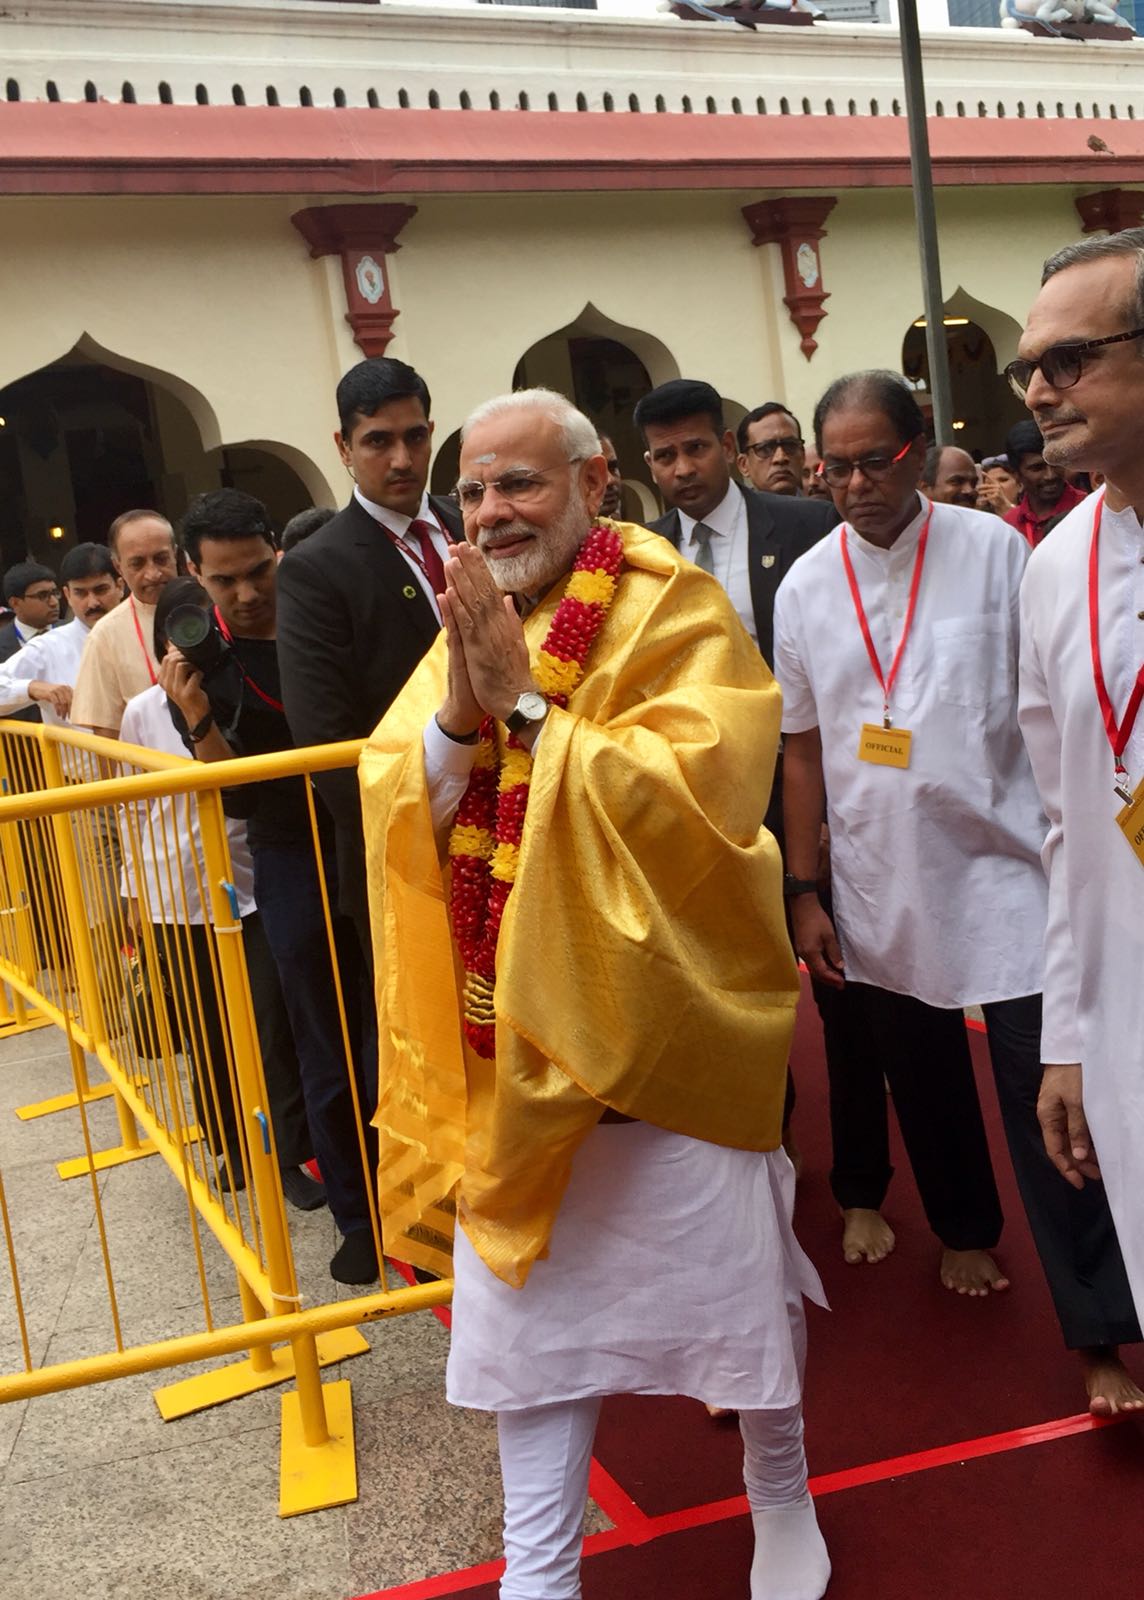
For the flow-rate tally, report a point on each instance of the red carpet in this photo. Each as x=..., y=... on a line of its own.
x=898, y=1368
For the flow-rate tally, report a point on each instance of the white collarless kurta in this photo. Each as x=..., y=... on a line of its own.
x=937, y=883
x=1094, y=981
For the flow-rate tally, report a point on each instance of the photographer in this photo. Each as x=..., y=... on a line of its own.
x=225, y=685
x=163, y=880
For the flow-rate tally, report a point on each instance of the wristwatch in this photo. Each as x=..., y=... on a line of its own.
x=530, y=709
x=794, y=886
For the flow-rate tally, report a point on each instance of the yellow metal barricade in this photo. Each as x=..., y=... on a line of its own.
x=121, y=922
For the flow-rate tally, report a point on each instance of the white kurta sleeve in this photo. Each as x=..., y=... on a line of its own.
x=447, y=768
x=16, y=674
x=800, y=713
x=1060, y=1031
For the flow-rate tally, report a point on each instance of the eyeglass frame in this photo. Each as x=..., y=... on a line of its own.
x=1078, y=348
x=764, y=449
x=534, y=475
x=49, y=594
x=823, y=471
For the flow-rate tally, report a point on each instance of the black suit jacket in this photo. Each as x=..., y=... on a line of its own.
x=10, y=642
x=353, y=622
x=780, y=528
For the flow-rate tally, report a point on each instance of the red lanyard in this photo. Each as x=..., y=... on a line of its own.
x=887, y=683
x=1120, y=732
x=275, y=705
x=142, y=641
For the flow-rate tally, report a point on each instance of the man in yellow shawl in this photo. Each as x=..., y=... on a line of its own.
x=586, y=996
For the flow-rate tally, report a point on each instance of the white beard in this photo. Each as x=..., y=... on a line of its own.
x=550, y=555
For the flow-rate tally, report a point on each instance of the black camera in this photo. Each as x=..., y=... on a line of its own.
x=197, y=635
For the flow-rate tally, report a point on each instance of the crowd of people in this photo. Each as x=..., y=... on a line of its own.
x=840, y=701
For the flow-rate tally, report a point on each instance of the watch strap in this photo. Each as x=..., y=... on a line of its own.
x=794, y=886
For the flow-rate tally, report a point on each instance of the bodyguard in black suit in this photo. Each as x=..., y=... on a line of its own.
x=355, y=606
x=744, y=537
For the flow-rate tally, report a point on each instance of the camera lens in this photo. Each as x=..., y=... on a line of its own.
x=194, y=631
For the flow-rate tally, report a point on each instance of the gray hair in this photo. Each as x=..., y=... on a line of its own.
x=578, y=436
x=1128, y=243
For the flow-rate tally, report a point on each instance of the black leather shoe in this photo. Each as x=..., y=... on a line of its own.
x=302, y=1192
x=355, y=1259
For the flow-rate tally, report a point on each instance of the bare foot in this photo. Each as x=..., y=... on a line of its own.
x=1111, y=1388
x=972, y=1272
x=866, y=1235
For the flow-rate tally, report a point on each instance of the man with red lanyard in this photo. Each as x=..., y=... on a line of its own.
x=896, y=641
x=1081, y=373
x=119, y=657
x=1047, y=494
x=231, y=549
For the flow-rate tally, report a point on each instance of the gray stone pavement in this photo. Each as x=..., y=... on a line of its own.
x=100, y=1499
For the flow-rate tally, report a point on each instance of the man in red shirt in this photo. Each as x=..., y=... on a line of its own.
x=1046, y=494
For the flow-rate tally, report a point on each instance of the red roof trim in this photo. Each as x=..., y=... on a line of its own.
x=131, y=149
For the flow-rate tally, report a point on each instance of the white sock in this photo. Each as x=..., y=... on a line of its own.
x=790, y=1562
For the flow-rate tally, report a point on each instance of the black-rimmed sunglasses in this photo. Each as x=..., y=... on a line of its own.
x=1061, y=364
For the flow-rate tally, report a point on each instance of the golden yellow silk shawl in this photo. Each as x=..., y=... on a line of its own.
x=643, y=961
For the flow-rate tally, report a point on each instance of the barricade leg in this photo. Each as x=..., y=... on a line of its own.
x=318, y=1468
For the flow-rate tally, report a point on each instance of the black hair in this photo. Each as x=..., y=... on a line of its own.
x=304, y=523
x=179, y=592
x=773, y=408
x=87, y=561
x=373, y=384
x=1023, y=439
x=677, y=399
x=224, y=514
x=875, y=390
x=20, y=578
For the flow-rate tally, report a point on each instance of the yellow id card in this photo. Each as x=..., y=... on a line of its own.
x=885, y=747
x=1130, y=821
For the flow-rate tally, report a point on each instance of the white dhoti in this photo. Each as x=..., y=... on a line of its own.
x=673, y=1269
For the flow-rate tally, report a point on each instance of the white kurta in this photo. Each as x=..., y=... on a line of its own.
x=162, y=841
x=1094, y=982
x=672, y=1268
x=51, y=657
x=937, y=882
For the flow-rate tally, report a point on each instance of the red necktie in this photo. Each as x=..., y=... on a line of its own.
x=435, y=568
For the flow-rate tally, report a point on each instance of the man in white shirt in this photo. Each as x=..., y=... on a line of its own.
x=1081, y=370
x=44, y=671
x=119, y=657
x=896, y=649
x=33, y=594
x=357, y=601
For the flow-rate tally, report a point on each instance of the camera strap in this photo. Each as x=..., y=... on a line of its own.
x=142, y=641
x=268, y=699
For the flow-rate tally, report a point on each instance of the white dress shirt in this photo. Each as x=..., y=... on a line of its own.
x=398, y=525
x=1094, y=994
x=162, y=838
x=51, y=656
x=728, y=522
x=938, y=888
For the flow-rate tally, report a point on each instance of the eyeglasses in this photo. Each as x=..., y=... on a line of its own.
x=515, y=486
x=766, y=448
x=42, y=594
x=1061, y=364
x=839, y=473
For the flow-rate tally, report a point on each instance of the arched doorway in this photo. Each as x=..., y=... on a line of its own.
x=82, y=440
x=604, y=368
x=984, y=406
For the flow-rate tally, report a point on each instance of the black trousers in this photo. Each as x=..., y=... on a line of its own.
x=873, y=1037
x=276, y=1043
x=1072, y=1229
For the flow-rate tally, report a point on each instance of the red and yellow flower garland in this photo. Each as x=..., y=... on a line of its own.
x=484, y=845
